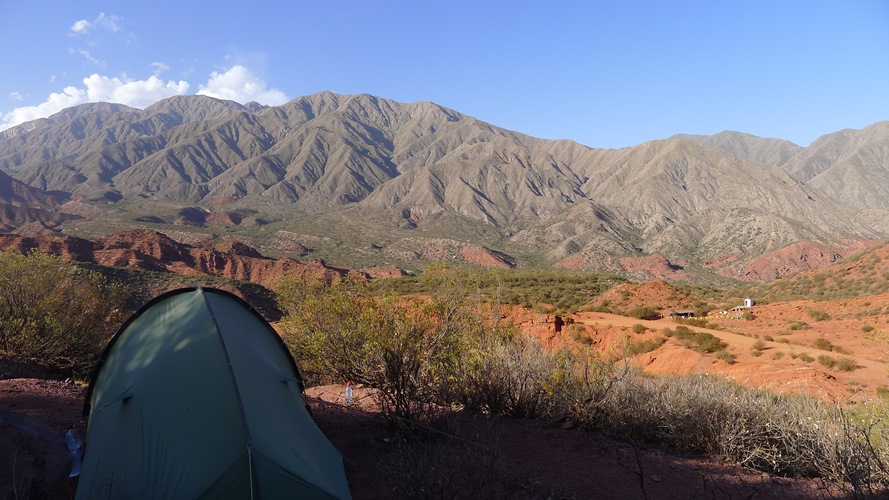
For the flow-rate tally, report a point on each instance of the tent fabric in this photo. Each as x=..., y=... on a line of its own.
x=197, y=397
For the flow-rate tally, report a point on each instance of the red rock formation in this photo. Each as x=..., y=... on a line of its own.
x=655, y=266
x=153, y=251
x=390, y=271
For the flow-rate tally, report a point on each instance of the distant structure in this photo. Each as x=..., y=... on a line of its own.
x=748, y=303
x=683, y=313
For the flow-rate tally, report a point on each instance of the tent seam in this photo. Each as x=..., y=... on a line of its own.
x=234, y=381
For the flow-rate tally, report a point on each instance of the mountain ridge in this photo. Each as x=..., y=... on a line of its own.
x=370, y=165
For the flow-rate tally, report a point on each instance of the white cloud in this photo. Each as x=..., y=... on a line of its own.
x=89, y=57
x=80, y=27
x=98, y=88
x=239, y=84
x=111, y=23
x=16, y=96
x=159, y=68
x=135, y=93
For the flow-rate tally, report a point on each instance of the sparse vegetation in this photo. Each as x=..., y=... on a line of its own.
x=818, y=315
x=726, y=356
x=839, y=364
x=826, y=345
x=56, y=312
x=644, y=312
x=635, y=347
x=698, y=322
x=700, y=341
x=565, y=291
x=804, y=357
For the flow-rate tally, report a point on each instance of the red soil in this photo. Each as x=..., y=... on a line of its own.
x=529, y=459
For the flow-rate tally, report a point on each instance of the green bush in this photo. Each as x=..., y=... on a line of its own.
x=700, y=341
x=635, y=347
x=846, y=365
x=638, y=328
x=726, y=356
x=826, y=360
x=56, y=312
x=818, y=315
x=405, y=348
x=644, y=312
x=698, y=322
x=823, y=344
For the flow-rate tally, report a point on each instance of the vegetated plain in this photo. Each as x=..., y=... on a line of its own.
x=563, y=345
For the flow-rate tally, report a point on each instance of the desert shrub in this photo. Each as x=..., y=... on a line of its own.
x=793, y=435
x=638, y=328
x=698, y=322
x=818, y=315
x=823, y=344
x=846, y=365
x=404, y=348
x=799, y=325
x=867, y=328
x=700, y=341
x=578, y=334
x=635, y=347
x=644, y=312
x=827, y=361
x=56, y=312
x=769, y=338
x=726, y=356
x=759, y=345
x=756, y=353
x=805, y=358
x=507, y=376
x=747, y=316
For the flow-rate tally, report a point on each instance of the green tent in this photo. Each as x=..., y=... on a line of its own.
x=197, y=397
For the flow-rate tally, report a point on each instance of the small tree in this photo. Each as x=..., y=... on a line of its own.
x=55, y=311
x=404, y=347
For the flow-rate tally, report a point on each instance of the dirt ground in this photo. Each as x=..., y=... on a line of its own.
x=477, y=457
x=790, y=358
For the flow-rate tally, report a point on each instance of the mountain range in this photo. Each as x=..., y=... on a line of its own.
x=362, y=180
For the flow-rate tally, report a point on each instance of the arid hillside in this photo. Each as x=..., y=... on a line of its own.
x=379, y=179
x=821, y=332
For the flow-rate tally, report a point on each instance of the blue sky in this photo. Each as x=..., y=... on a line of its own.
x=606, y=74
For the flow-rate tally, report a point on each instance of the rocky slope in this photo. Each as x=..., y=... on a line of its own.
x=153, y=251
